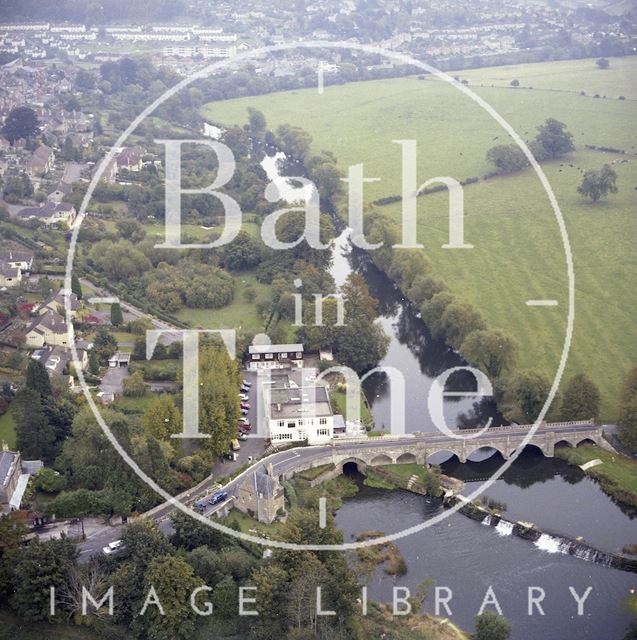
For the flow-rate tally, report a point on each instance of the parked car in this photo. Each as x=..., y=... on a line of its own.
x=244, y=389
x=242, y=435
x=243, y=396
x=245, y=405
x=112, y=547
x=200, y=505
x=217, y=497
x=235, y=445
x=244, y=412
x=247, y=383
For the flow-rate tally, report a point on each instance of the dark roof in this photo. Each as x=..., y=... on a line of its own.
x=265, y=484
x=59, y=296
x=50, y=320
x=7, y=459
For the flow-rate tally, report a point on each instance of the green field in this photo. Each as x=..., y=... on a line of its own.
x=239, y=314
x=518, y=252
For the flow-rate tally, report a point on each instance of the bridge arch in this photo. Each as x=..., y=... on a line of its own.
x=406, y=458
x=381, y=459
x=353, y=465
x=439, y=456
x=486, y=453
x=564, y=444
x=586, y=441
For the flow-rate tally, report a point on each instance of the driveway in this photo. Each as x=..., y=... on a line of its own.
x=113, y=380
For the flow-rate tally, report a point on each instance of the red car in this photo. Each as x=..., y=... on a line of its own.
x=245, y=405
x=244, y=428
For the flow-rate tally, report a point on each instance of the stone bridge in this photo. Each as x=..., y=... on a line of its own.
x=417, y=448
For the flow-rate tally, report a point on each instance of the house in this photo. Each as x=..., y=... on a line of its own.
x=50, y=213
x=10, y=276
x=119, y=359
x=47, y=329
x=58, y=360
x=40, y=162
x=17, y=258
x=130, y=159
x=14, y=478
x=56, y=301
x=261, y=495
x=297, y=406
x=273, y=356
x=57, y=195
x=10, y=472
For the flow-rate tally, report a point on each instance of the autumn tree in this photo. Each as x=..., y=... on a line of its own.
x=162, y=418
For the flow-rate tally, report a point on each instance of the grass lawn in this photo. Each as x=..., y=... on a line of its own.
x=239, y=314
x=7, y=428
x=252, y=526
x=616, y=470
x=339, y=405
x=135, y=405
x=518, y=253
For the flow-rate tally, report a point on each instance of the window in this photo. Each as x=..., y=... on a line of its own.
x=268, y=356
x=322, y=420
x=299, y=355
x=300, y=423
x=281, y=423
x=323, y=432
x=291, y=425
x=283, y=355
x=255, y=356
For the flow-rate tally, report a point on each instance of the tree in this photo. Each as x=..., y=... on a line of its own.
x=552, y=140
x=525, y=394
x=627, y=421
x=581, y=399
x=48, y=480
x=256, y=120
x=38, y=567
x=598, y=184
x=491, y=626
x=104, y=345
x=134, y=386
x=117, y=319
x=162, y=418
x=76, y=286
x=173, y=581
x=37, y=378
x=35, y=437
x=458, y=320
x=190, y=534
x=12, y=530
x=490, y=350
x=507, y=158
x=515, y=83
x=93, y=362
x=602, y=63
x=22, y=122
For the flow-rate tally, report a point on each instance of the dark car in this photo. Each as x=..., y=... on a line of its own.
x=218, y=497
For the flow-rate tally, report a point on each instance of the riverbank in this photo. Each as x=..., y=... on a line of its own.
x=617, y=475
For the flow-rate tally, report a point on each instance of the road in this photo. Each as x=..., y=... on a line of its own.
x=287, y=461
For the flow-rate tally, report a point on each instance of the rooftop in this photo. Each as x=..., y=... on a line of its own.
x=274, y=348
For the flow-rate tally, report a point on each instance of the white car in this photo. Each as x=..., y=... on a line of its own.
x=112, y=547
x=243, y=396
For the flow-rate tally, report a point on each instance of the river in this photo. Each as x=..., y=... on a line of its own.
x=460, y=553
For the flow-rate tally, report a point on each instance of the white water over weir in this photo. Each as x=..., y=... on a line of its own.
x=551, y=544
x=504, y=528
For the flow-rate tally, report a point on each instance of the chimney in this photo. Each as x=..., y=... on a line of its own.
x=270, y=469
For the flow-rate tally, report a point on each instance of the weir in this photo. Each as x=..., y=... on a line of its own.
x=544, y=540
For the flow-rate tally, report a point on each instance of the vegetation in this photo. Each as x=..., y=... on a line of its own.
x=581, y=399
x=597, y=184
x=491, y=626
x=628, y=411
x=22, y=122
x=617, y=475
